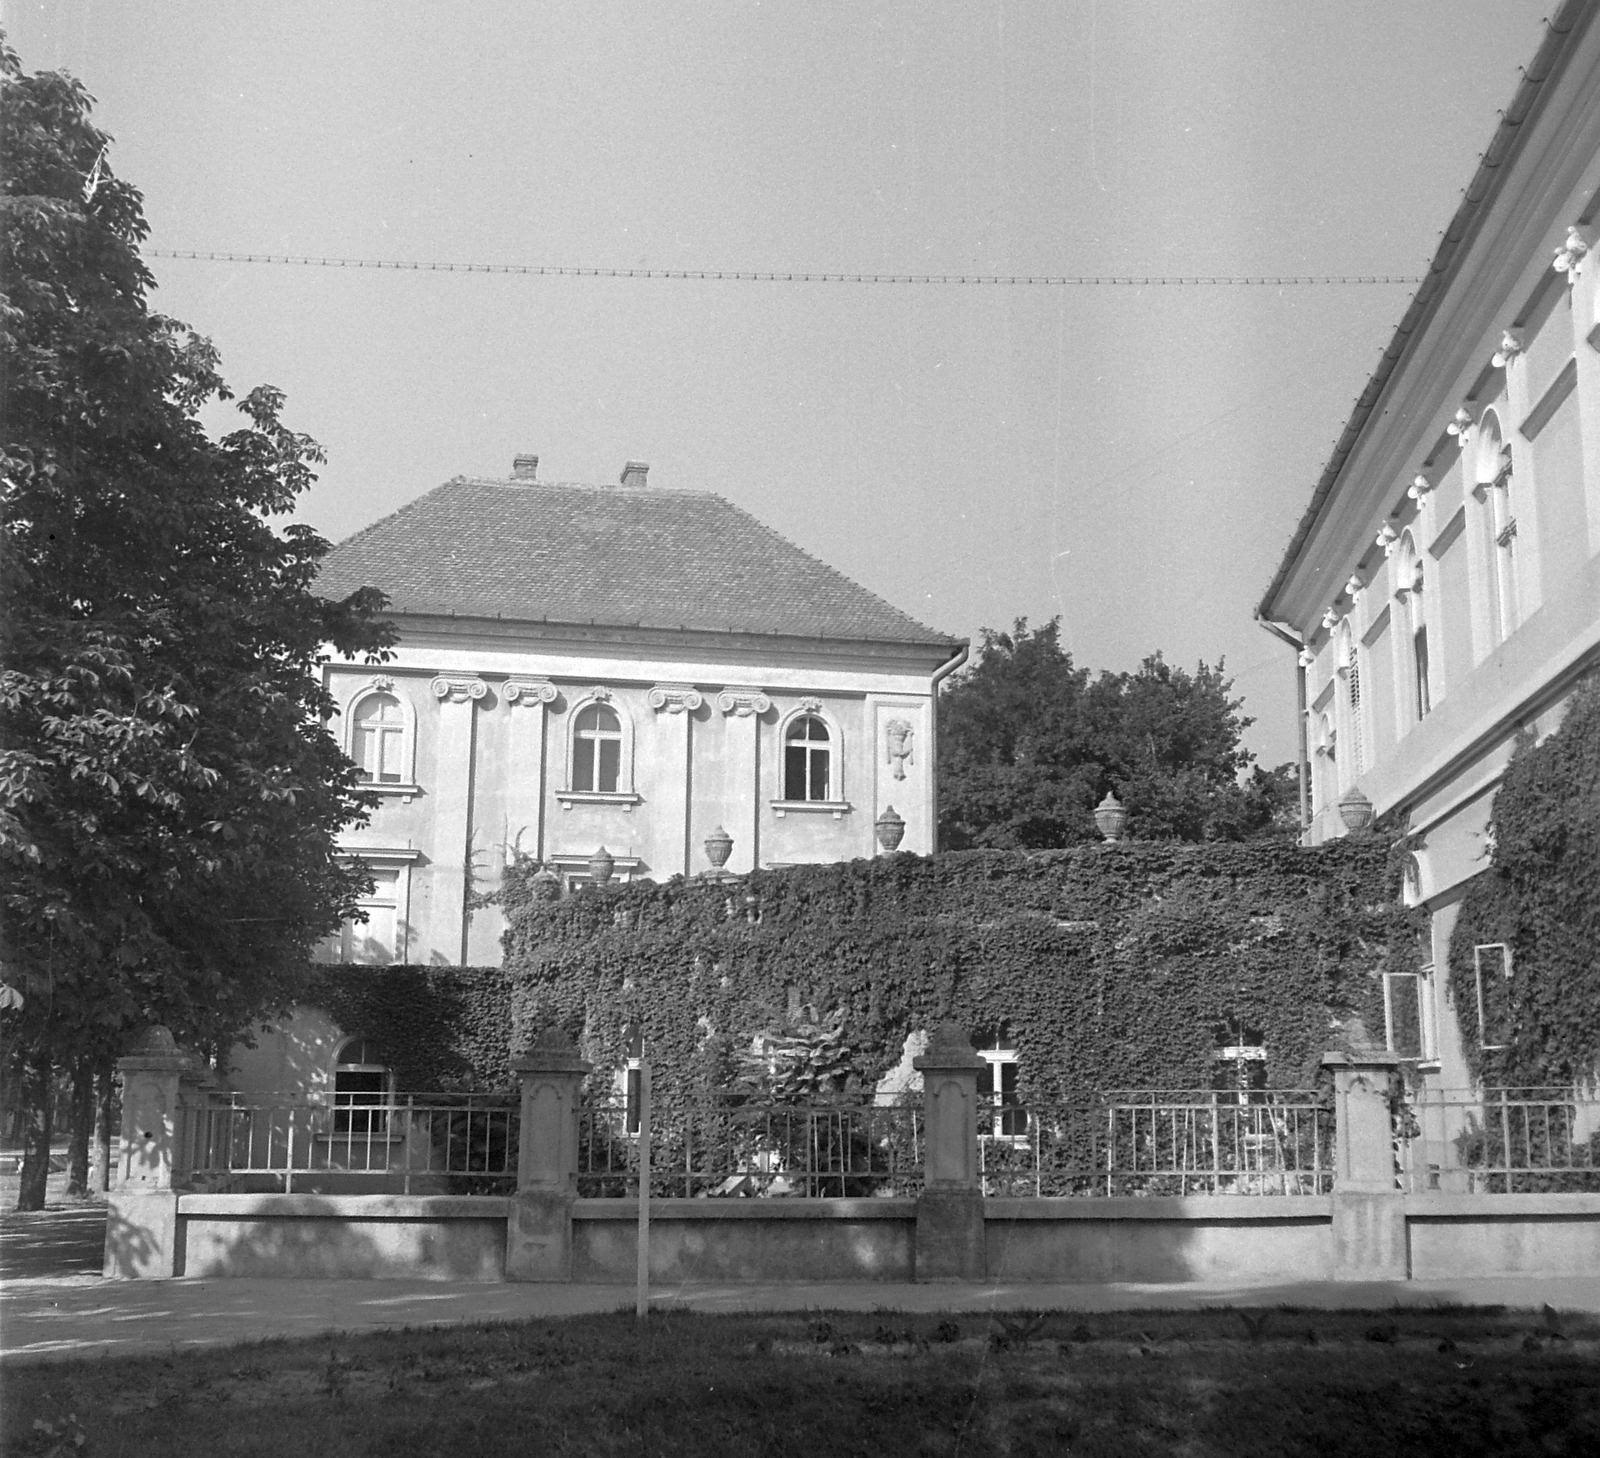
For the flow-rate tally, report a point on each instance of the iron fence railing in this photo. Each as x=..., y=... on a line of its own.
x=1498, y=1141
x=1160, y=1142
x=729, y=1147
x=414, y=1143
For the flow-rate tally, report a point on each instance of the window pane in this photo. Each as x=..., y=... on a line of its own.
x=598, y=719
x=809, y=728
x=390, y=742
x=794, y=772
x=583, y=764
x=610, y=764
x=819, y=774
x=366, y=751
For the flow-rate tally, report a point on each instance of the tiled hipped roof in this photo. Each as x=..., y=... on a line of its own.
x=612, y=556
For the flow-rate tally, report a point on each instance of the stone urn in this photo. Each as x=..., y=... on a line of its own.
x=1111, y=817
x=719, y=846
x=545, y=887
x=891, y=829
x=601, y=864
x=1355, y=810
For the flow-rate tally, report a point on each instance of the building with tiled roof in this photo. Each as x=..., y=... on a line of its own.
x=1442, y=589
x=620, y=667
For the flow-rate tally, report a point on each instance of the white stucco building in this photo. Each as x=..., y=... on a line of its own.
x=1445, y=580
x=622, y=667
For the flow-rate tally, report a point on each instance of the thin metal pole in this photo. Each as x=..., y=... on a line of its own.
x=642, y=1298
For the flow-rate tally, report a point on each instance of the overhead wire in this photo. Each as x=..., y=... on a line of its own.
x=739, y=275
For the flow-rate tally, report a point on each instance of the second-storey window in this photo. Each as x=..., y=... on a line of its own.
x=379, y=740
x=807, y=760
x=596, y=750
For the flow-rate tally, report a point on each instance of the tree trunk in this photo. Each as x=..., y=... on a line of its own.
x=100, y=1170
x=35, y=1133
x=82, y=1128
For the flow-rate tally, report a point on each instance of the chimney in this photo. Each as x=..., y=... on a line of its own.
x=634, y=472
x=524, y=468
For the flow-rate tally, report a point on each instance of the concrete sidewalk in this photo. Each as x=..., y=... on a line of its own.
x=76, y=1316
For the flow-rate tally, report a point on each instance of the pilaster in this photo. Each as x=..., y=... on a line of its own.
x=743, y=708
x=528, y=700
x=675, y=705
x=458, y=699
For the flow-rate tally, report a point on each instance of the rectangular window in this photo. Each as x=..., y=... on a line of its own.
x=1402, y=1015
x=1491, y=964
x=999, y=1110
x=374, y=942
x=359, y=1097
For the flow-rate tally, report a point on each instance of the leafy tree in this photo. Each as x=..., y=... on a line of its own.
x=1029, y=743
x=169, y=791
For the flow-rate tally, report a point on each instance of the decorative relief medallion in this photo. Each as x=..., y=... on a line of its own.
x=811, y=704
x=600, y=695
x=898, y=733
x=383, y=683
x=674, y=698
x=742, y=703
x=459, y=690
x=529, y=691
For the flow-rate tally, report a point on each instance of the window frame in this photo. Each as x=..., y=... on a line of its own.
x=836, y=803
x=625, y=793
x=384, y=686
x=999, y=1107
x=374, y=1117
x=379, y=858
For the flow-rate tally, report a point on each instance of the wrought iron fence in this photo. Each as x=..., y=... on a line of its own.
x=732, y=1148
x=1162, y=1142
x=414, y=1143
x=1498, y=1141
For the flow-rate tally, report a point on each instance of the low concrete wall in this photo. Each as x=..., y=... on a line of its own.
x=748, y=1240
x=416, y=1237
x=1195, y=1238
x=1503, y=1235
x=1160, y=1239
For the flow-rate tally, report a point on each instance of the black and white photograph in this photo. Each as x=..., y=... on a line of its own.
x=796, y=730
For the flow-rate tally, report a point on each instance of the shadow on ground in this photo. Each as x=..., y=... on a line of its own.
x=65, y=1241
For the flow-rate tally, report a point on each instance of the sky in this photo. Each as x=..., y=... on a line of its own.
x=1132, y=459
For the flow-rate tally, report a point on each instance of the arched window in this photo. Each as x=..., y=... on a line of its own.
x=378, y=739
x=1497, y=527
x=361, y=1089
x=596, y=750
x=807, y=760
x=1414, y=624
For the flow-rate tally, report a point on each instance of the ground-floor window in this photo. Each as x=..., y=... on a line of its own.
x=999, y=1102
x=361, y=1089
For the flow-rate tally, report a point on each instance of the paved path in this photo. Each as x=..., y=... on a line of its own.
x=53, y=1302
x=43, y=1317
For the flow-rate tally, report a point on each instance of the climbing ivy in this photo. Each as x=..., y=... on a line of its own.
x=1106, y=967
x=1540, y=896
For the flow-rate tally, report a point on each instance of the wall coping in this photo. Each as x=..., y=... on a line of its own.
x=346, y=1207
x=870, y=1208
x=1229, y=1209
x=1480, y=1207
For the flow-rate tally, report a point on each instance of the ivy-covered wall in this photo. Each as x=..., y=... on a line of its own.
x=1541, y=898
x=1107, y=967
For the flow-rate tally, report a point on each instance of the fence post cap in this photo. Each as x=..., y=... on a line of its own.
x=155, y=1050
x=551, y=1052
x=949, y=1046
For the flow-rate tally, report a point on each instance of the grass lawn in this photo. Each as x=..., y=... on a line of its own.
x=1448, y=1381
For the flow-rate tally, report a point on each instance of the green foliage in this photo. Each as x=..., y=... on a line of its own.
x=1028, y=744
x=169, y=791
x=1108, y=967
x=1541, y=896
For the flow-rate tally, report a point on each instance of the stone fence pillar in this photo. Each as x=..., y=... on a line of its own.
x=950, y=1245
x=1369, y=1223
x=142, y=1204
x=539, y=1221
